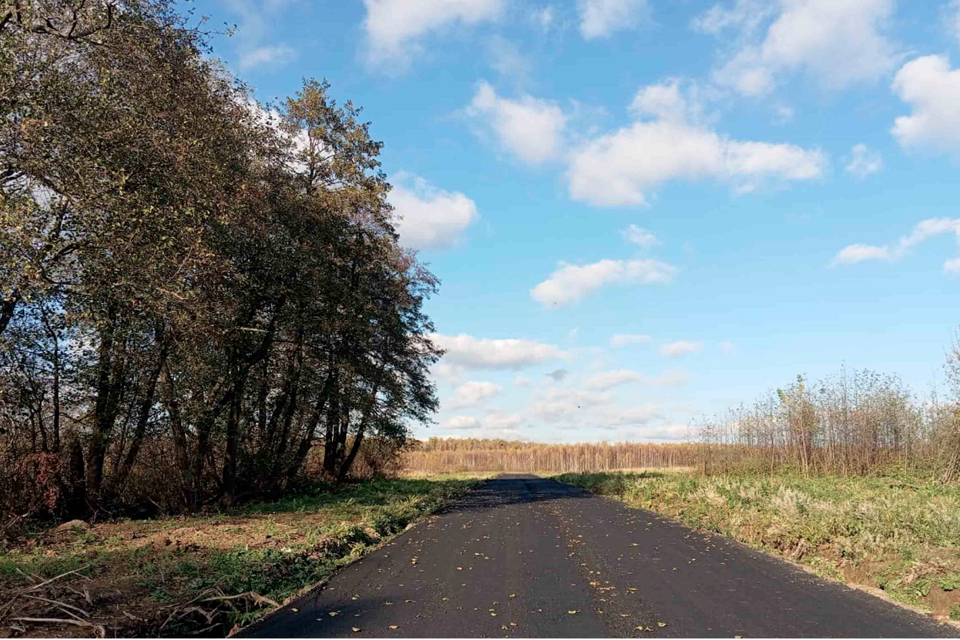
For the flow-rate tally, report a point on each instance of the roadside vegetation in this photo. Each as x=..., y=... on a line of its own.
x=202, y=574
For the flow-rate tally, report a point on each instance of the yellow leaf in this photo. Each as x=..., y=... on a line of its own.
x=393, y=626
x=459, y=568
x=572, y=611
x=333, y=613
x=661, y=624
x=513, y=595
x=294, y=609
x=355, y=629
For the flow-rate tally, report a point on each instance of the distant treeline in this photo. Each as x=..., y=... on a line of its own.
x=438, y=455
x=201, y=297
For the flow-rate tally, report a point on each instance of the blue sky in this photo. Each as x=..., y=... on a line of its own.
x=645, y=211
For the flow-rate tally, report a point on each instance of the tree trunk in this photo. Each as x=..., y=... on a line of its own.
x=307, y=440
x=143, y=416
x=7, y=308
x=105, y=408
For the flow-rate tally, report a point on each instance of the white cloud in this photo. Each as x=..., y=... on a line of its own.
x=728, y=347
x=394, y=27
x=544, y=18
x=680, y=348
x=836, y=42
x=566, y=405
x=952, y=266
x=953, y=19
x=498, y=420
x=462, y=422
x=273, y=56
x=660, y=433
x=601, y=18
x=472, y=393
x=530, y=128
x=571, y=282
x=745, y=15
x=619, y=168
x=522, y=381
x=640, y=236
x=482, y=353
x=626, y=339
x=855, y=253
x=863, y=161
x=507, y=60
x=932, y=88
x=609, y=379
x=924, y=229
x=784, y=114
x=428, y=217
x=611, y=417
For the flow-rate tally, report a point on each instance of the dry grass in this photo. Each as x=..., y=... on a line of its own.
x=180, y=576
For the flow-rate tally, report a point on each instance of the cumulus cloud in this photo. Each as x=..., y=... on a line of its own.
x=428, y=217
x=670, y=142
x=680, y=348
x=863, y=161
x=530, y=128
x=462, y=422
x=639, y=236
x=564, y=405
x=932, y=89
x=601, y=18
x=522, y=381
x=395, y=27
x=924, y=229
x=558, y=375
x=472, y=393
x=802, y=35
x=627, y=339
x=482, y=353
x=498, y=420
x=572, y=282
x=609, y=379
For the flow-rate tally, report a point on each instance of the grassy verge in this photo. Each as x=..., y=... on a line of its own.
x=899, y=535
x=203, y=574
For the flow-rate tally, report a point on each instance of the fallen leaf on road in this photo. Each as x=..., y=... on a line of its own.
x=459, y=568
x=355, y=629
x=513, y=595
x=661, y=624
x=572, y=611
x=294, y=609
x=393, y=626
x=333, y=613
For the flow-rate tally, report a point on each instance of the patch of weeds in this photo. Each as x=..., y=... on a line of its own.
x=955, y=612
x=950, y=582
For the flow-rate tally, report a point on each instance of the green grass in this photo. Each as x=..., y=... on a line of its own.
x=275, y=549
x=902, y=537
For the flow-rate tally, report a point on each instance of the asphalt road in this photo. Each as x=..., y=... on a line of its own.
x=526, y=557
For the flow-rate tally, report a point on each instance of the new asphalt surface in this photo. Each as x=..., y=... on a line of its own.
x=524, y=557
